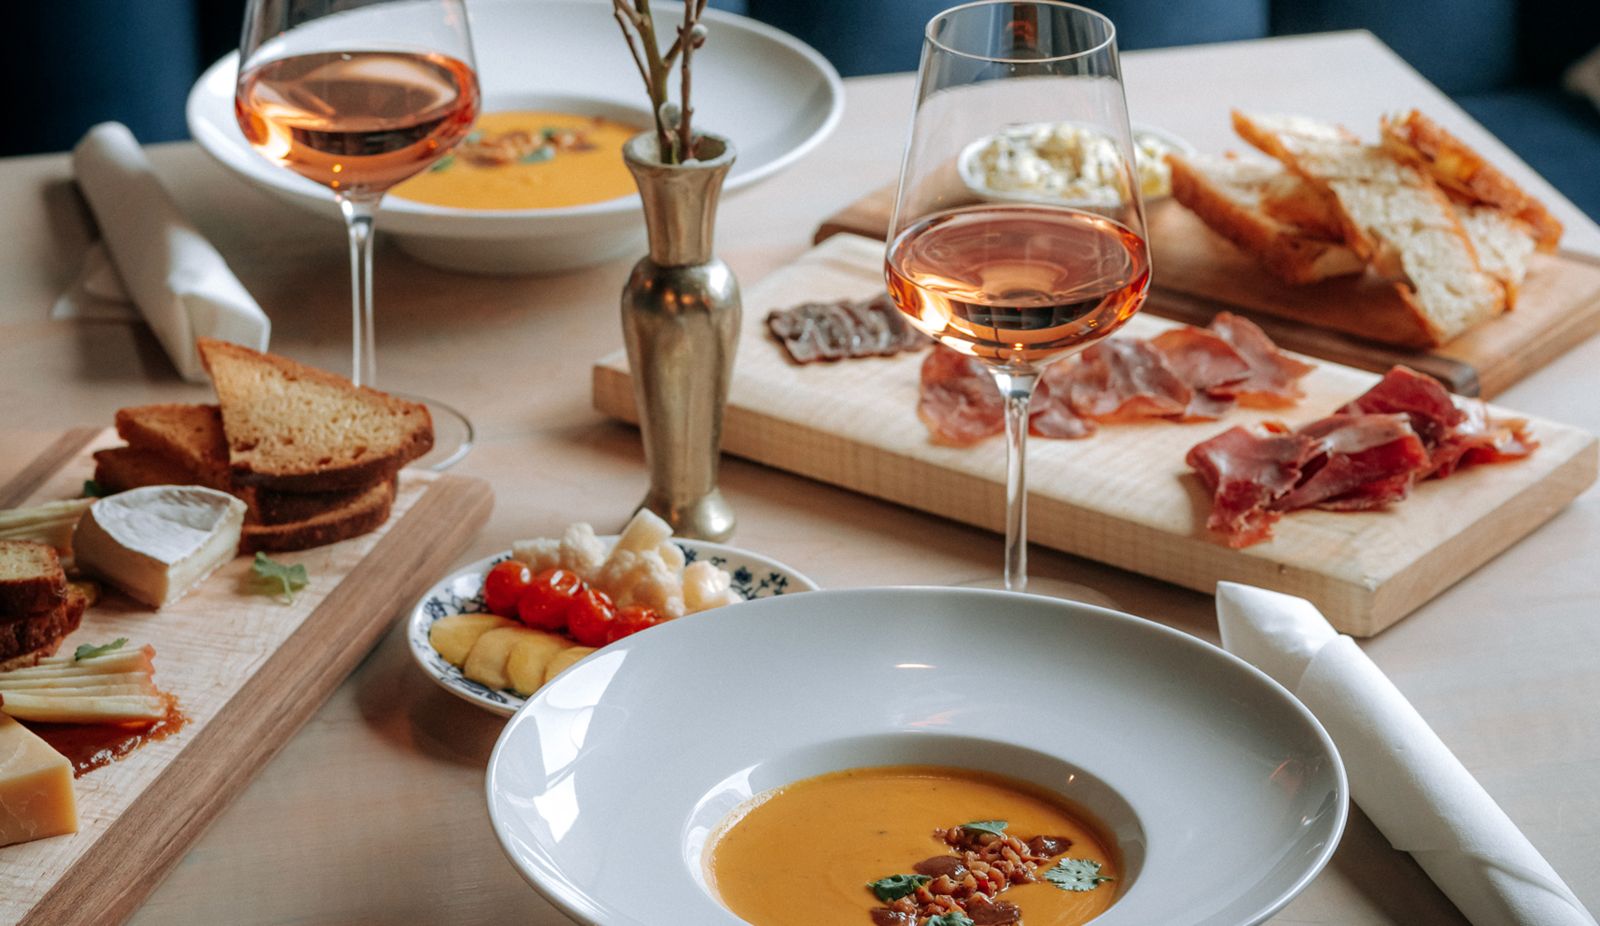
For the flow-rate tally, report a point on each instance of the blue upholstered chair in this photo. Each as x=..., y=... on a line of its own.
x=87, y=60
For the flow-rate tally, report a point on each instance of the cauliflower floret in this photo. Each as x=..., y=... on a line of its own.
x=581, y=552
x=705, y=586
x=644, y=578
x=540, y=553
x=672, y=555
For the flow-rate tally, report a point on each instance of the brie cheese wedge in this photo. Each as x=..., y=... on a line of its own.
x=158, y=542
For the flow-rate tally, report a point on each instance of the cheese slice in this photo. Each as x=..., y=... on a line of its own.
x=36, y=798
x=158, y=542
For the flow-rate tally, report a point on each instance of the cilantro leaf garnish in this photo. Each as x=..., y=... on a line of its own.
x=1076, y=874
x=443, y=163
x=277, y=579
x=92, y=489
x=538, y=155
x=994, y=827
x=948, y=919
x=895, y=887
x=89, y=650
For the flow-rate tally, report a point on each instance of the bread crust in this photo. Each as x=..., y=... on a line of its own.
x=25, y=641
x=367, y=513
x=39, y=584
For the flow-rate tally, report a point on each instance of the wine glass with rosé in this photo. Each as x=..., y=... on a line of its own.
x=358, y=95
x=1017, y=277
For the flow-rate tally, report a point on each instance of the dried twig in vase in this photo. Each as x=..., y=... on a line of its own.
x=674, y=135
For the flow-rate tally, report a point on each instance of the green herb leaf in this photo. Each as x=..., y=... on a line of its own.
x=278, y=579
x=538, y=155
x=442, y=164
x=948, y=919
x=549, y=132
x=92, y=489
x=89, y=650
x=1076, y=874
x=895, y=887
x=473, y=137
x=996, y=827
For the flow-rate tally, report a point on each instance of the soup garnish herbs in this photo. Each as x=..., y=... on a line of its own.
x=963, y=888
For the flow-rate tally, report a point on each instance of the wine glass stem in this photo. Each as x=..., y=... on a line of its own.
x=1017, y=388
x=359, y=211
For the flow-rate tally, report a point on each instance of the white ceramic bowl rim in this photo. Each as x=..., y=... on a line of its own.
x=575, y=707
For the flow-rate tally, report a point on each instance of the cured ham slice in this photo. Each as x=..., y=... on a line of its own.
x=960, y=403
x=1205, y=362
x=1362, y=462
x=1125, y=379
x=1050, y=414
x=1364, y=457
x=1246, y=472
x=1273, y=380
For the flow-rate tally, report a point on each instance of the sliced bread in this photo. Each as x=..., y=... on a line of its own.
x=25, y=641
x=190, y=435
x=1228, y=195
x=366, y=512
x=1454, y=165
x=1395, y=215
x=31, y=579
x=294, y=428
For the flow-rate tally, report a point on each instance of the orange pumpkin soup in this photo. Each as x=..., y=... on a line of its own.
x=869, y=845
x=529, y=160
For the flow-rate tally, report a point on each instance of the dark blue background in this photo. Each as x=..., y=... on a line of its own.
x=72, y=63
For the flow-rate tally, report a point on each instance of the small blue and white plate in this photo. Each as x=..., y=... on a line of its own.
x=461, y=592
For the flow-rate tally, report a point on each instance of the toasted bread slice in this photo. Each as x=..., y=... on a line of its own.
x=1454, y=165
x=366, y=512
x=190, y=435
x=119, y=469
x=1288, y=198
x=1227, y=195
x=1502, y=242
x=1395, y=215
x=294, y=428
x=25, y=641
x=31, y=579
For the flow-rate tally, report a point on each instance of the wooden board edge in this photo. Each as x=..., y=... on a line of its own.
x=60, y=452
x=218, y=763
x=1502, y=529
x=1571, y=329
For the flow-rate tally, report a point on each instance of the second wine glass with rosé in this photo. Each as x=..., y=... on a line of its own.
x=1016, y=281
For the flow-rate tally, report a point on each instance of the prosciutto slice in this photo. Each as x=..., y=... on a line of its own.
x=959, y=403
x=1205, y=362
x=1273, y=380
x=1365, y=456
x=1126, y=379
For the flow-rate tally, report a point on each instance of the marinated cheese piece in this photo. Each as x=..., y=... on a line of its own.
x=36, y=798
x=158, y=542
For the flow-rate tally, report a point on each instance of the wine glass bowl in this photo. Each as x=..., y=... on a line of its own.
x=1017, y=282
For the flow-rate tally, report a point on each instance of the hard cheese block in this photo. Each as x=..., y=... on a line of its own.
x=36, y=798
x=158, y=542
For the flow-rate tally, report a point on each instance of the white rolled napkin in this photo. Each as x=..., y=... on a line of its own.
x=179, y=282
x=1401, y=774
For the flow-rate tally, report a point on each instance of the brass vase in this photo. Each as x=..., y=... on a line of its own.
x=680, y=321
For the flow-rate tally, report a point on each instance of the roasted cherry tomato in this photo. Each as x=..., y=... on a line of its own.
x=631, y=620
x=548, y=598
x=504, y=585
x=590, y=618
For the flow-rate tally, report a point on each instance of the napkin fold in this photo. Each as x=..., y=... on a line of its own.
x=1401, y=774
x=179, y=282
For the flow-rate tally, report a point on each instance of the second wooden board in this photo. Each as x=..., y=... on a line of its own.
x=1123, y=497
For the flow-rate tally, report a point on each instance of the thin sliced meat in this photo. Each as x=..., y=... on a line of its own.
x=1481, y=439
x=1380, y=493
x=1246, y=472
x=959, y=401
x=1273, y=381
x=1049, y=414
x=1404, y=391
x=1355, y=451
x=1203, y=361
x=1125, y=379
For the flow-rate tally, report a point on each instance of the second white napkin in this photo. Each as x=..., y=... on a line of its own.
x=177, y=279
x=1402, y=775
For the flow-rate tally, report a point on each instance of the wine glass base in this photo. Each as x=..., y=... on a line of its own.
x=453, y=435
x=1050, y=588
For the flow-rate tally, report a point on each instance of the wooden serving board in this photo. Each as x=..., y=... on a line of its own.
x=247, y=671
x=1197, y=273
x=1124, y=496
